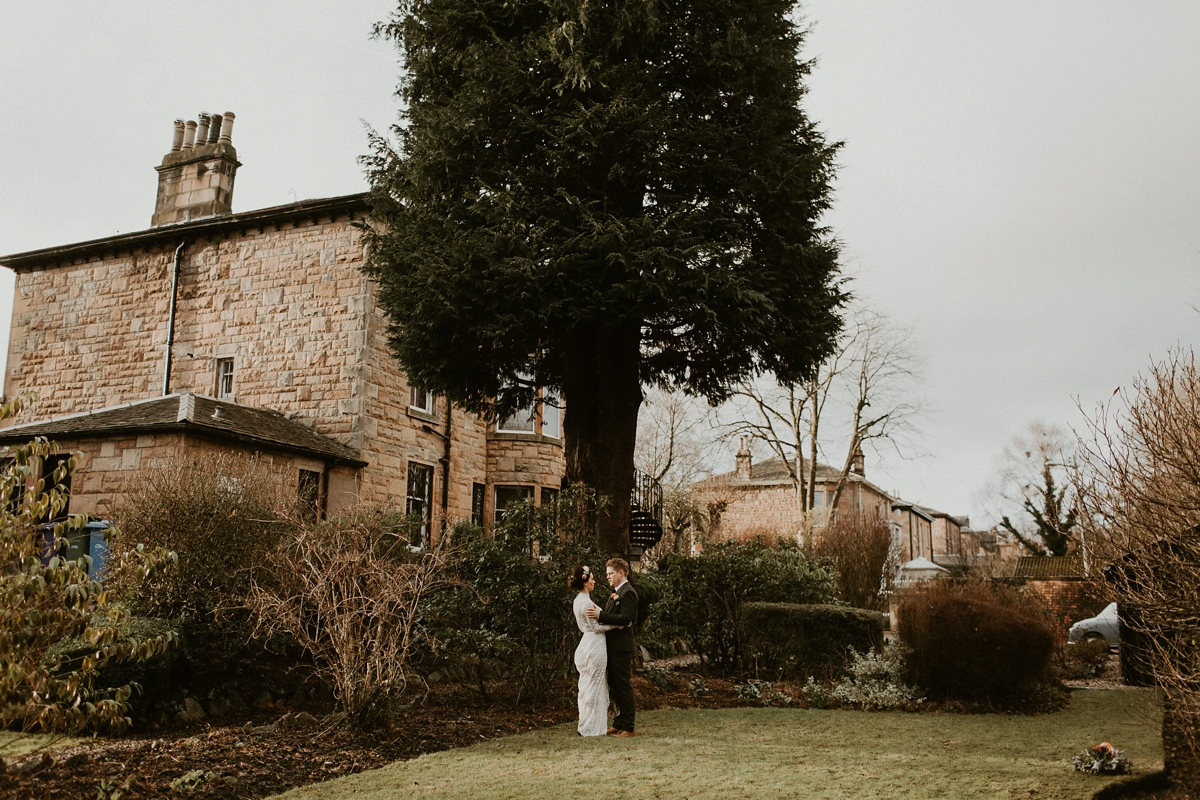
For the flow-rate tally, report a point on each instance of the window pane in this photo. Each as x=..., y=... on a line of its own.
x=308, y=492
x=510, y=494
x=520, y=422
x=551, y=415
x=477, y=494
x=224, y=378
x=420, y=495
x=420, y=399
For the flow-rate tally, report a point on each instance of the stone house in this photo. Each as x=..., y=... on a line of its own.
x=253, y=333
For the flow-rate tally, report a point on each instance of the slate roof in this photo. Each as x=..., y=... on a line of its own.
x=194, y=413
x=170, y=235
x=775, y=470
x=1043, y=567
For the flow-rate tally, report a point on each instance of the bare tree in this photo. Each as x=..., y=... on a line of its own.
x=868, y=384
x=674, y=446
x=1139, y=487
x=1034, y=487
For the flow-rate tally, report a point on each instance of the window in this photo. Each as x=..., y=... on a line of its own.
x=420, y=399
x=49, y=465
x=478, y=492
x=549, y=496
x=523, y=421
x=420, y=497
x=308, y=492
x=551, y=414
x=543, y=417
x=510, y=494
x=16, y=495
x=225, y=378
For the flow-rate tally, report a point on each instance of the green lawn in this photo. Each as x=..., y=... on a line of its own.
x=768, y=753
x=13, y=745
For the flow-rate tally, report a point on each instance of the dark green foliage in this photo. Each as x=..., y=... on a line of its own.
x=792, y=638
x=703, y=597
x=1055, y=519
x=596, y=196
x=509, y=617
x=974, y=641
x=1084, y=659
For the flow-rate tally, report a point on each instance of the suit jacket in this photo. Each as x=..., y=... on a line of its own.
x=621, y=611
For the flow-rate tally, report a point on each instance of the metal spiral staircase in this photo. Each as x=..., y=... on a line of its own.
x=646, y=514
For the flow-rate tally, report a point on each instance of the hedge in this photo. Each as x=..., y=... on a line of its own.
x=808, y=638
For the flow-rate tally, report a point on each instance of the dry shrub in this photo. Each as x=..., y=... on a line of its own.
x=221, y=514
x=350, y=590
x=1140, y=486
x=866, y=554
x=975, y=641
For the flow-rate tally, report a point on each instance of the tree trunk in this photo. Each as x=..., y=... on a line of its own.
x=602, y=392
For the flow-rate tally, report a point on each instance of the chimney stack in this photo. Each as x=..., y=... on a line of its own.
x=858, y=465
x=195, y=179
x=743, y=461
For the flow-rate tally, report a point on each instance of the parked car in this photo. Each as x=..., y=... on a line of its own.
x=1101, y=626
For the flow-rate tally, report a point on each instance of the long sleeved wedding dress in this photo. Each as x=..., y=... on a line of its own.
x=591, y=659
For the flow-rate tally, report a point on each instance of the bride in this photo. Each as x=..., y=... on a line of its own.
x=591, y=658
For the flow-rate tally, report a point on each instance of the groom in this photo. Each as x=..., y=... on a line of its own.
x=621, y=610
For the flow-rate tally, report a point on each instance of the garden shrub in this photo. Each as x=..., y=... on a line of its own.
x=874, y=681
x=791, y=637
x=44, y=601
x=1085, y=659
x=509, y=619
x=866, y=554
x=223, y=516
x=974, y=641
x=350, y=591
x=703, y=596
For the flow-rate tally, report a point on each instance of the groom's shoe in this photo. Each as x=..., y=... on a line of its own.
x=610, y=731
x=623, y=734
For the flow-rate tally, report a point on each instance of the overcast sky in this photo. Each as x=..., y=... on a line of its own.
x=1020, y=182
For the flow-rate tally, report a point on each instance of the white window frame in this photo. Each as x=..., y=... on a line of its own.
x=225, y=376
x=416, y=394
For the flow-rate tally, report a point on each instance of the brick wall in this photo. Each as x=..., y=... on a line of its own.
x=1067, y=600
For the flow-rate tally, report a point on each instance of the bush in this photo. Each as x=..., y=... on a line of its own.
x=44, y=601
x=975, y=641
x=875, y=682
x=350, y=591
x=866, y=555
x=222, y=516
x=509, y=617
x=790, y=638
x=1085, y=659
x=703, y=596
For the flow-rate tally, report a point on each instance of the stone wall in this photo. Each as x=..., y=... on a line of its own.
x=106, y=465
x=769, y=510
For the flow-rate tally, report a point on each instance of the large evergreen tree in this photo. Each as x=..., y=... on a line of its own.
x=594, y=196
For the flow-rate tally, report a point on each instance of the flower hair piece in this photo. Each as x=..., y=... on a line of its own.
x=586, y=570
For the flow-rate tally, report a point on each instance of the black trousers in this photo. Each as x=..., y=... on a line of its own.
x=620, y=689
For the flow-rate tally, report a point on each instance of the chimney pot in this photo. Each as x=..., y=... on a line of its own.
x=227, y=127
x=189, y=135
x=202, y=129
x=215, y=129
x=177, y=136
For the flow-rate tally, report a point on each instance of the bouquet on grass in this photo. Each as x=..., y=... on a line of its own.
x=1103, y=759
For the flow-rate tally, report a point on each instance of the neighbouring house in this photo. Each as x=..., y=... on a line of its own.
x=254, y=333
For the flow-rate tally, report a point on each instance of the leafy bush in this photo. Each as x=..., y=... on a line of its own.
x=41, y=604
x=975, y=641
x=350, y=591
x=223, y=516
x=867, y=557
x=509, y=617
x=790, y=637
x=703, y=596
x=875, y=682
x=662, y=678
x=817, y=694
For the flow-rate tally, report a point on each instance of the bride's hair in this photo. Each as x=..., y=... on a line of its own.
x=579, y=578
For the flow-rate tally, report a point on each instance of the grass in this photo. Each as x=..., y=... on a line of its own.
x=769, y=753
x=14, y=745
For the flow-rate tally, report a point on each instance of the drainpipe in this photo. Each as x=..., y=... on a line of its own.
x=171, y=321
x=446, y=466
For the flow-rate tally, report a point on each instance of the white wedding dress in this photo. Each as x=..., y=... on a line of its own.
x=591, y=659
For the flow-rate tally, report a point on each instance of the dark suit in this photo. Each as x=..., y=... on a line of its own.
x=621, y=611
